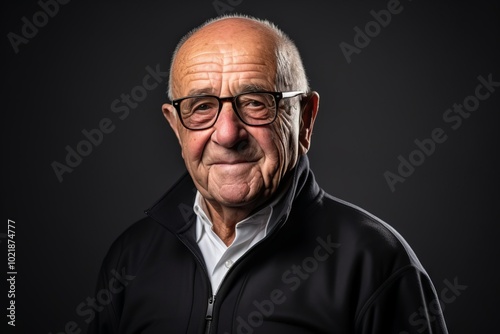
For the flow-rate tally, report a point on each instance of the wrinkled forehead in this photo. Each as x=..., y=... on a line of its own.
x=223, y=52
x=226, y=49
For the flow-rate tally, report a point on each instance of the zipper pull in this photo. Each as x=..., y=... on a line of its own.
x=210, y=308
x=208, y=317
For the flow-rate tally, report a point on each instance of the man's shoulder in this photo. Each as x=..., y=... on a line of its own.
x=363, y=233
x=134, y=242
x=164, y=219
x=137, y=233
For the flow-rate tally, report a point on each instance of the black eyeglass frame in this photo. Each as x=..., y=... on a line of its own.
x=278, y=96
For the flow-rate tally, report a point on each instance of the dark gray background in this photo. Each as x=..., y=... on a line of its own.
x=393, y=92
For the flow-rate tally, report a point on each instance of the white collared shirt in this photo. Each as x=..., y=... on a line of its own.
x=219, y=257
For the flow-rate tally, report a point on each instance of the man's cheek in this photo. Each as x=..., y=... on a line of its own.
x=193, y=147
x=279, y=138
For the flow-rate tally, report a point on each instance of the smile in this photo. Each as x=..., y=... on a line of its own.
x=236, y=162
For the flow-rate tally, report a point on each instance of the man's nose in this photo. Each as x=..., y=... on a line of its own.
x=229, y=130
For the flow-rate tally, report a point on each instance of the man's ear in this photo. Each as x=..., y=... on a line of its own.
x=310, y=106
x=171, y=115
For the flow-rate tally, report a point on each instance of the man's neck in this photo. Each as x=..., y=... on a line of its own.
x=224, y=219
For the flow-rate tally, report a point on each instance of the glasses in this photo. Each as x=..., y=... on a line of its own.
x=255, y=108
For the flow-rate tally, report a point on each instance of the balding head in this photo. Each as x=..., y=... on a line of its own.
x=243, y=31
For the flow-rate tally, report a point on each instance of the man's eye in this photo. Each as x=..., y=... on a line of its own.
x=255, y=103
x=202, y=107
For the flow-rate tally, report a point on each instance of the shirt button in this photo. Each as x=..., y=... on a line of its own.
x=228, y=264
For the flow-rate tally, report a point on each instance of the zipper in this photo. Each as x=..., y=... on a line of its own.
x=209, y=315
x=211, y=299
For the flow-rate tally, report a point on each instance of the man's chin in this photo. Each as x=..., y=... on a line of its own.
x=235, y=195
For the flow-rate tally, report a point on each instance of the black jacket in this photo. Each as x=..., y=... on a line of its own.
x=327, y=266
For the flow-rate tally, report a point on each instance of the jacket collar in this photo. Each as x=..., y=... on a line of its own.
x=174, y=210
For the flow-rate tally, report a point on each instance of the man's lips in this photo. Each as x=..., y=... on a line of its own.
x=231, y=162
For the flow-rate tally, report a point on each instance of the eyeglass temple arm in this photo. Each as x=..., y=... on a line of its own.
x=292, y=94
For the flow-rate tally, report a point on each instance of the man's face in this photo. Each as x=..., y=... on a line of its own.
x=233, y=164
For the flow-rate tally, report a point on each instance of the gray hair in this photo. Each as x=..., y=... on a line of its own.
x=290, y=73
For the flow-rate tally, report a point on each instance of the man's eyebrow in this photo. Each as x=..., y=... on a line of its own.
x=201, y=91
x=243, y=89
x=252, y=88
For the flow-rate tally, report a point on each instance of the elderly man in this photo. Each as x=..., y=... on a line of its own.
x=246, y=241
